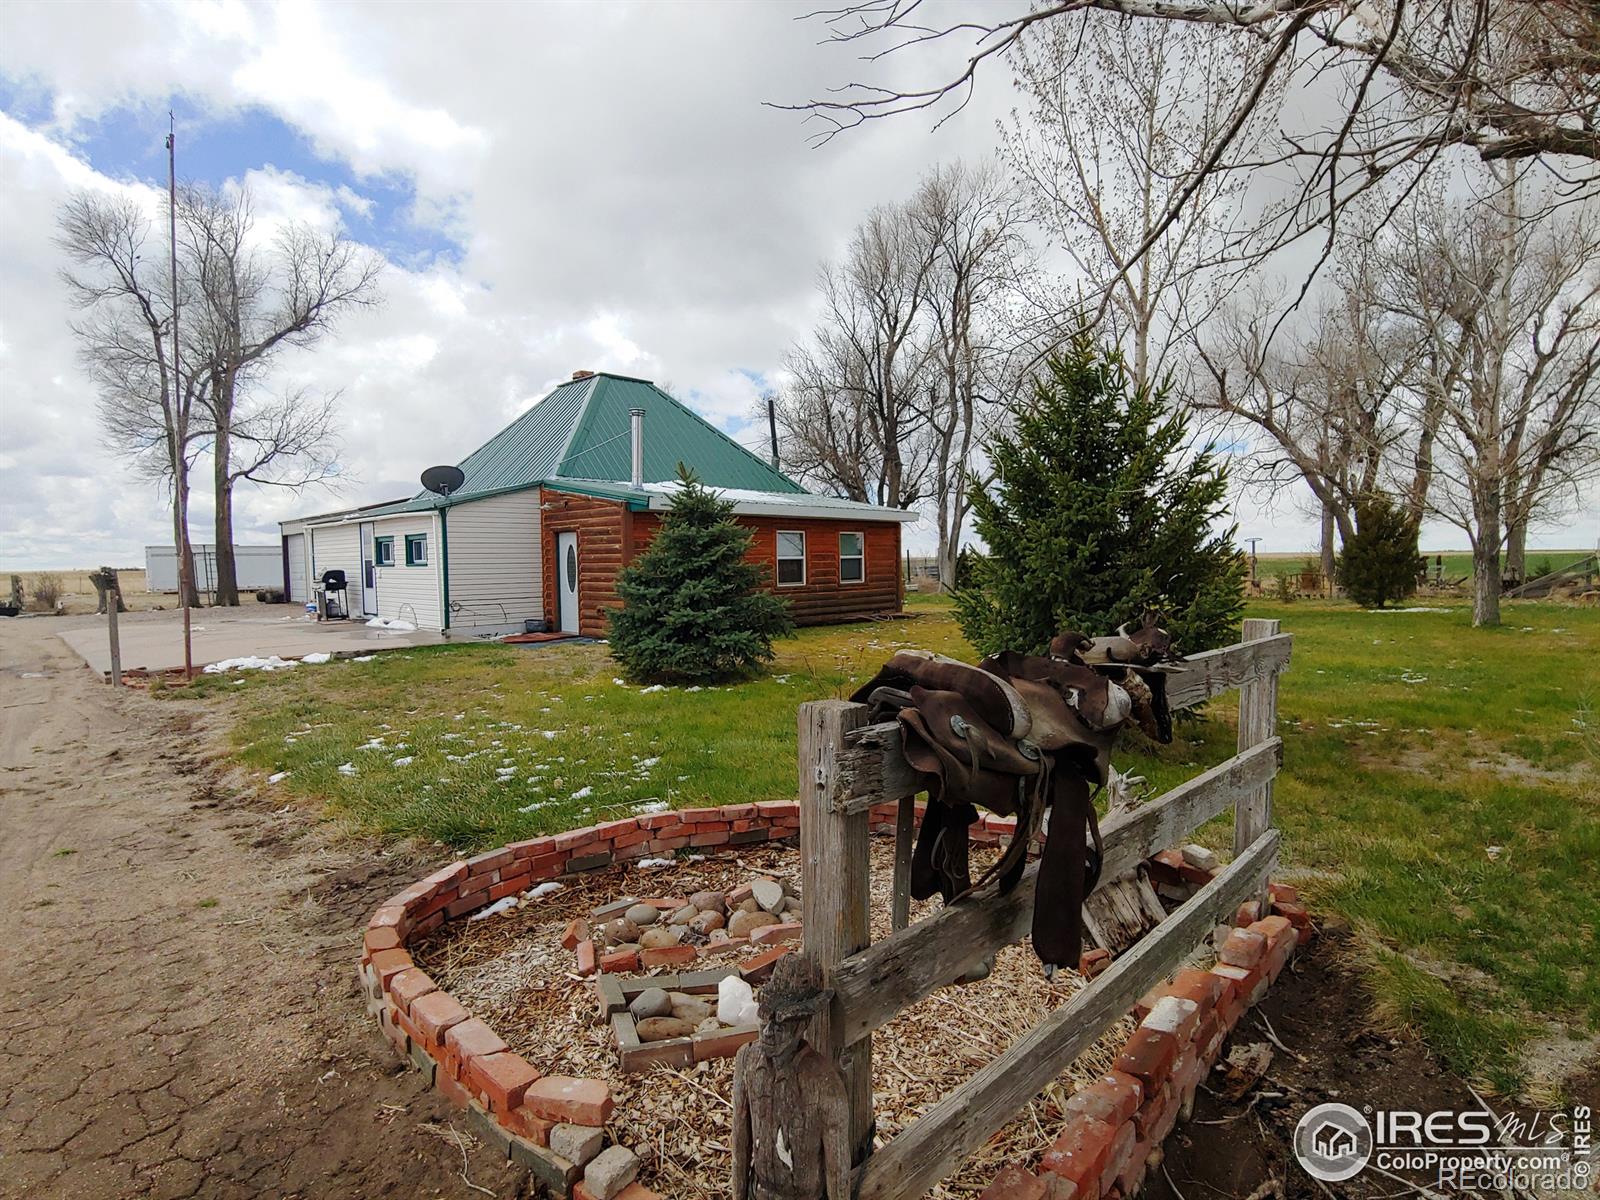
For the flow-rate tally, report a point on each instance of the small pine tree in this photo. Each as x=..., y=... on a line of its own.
x=693, y=608
x=1098, y=514
x=1380, y=562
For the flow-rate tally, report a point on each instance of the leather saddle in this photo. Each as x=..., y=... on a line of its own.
x=1027, y=736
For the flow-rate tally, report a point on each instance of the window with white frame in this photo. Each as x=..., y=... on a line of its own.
x=791, y=558
x=383, y=551
x=852, y=558
x=416, y=549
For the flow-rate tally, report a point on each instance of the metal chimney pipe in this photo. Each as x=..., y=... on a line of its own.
x=772, y=429
x=638, y=447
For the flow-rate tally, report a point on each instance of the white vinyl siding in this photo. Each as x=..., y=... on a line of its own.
x=410, y=593
x=295, y=549
x=496, y=569
x=337, y=547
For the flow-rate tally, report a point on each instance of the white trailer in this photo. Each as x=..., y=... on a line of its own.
x=256, y=567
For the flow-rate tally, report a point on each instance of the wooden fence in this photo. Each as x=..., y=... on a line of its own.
x=848, y=767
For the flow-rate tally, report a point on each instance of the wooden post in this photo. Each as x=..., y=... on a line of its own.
x=105, y=582
x=834, y=895
x=1258, y=721
x=905, y=823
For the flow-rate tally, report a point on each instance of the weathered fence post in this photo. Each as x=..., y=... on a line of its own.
x=105, y=582
x=1258, y=721
x=834, y=892
x=905, y=830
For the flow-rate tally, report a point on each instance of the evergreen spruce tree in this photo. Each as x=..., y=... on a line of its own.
x=1098, y=513
x=693, y=609
x=1380, y=562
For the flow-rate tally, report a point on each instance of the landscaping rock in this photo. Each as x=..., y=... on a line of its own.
x=1200, y=856
x=709, y=902
x=749, y=905
x=684, y=915
x=791, y=904
x=610, y=1171
x=622, y=931
x=706, y=921
x=745, y=923
x=652, y=1002
x=577, y=1144
x=736, y=1002
x=709, y=1025
x=659, y=1029
x=660, y=937
x=643, y=914
x=719, y=937
x=768, y=893
x=689, y=1008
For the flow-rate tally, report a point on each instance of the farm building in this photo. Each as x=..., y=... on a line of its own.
x=553, y=506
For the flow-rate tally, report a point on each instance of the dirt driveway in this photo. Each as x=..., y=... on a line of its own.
x=175, y=976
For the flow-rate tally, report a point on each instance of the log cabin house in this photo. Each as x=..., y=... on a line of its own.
x=557, y=503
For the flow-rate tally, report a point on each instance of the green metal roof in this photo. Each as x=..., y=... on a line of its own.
x=582, y=431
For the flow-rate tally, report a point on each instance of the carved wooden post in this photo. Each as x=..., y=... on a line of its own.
x=1258, y=721
x=834, y=882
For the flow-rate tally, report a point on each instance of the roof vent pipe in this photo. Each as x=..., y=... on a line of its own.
x=638, y=447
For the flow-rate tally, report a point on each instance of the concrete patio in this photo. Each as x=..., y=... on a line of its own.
x=153, y=641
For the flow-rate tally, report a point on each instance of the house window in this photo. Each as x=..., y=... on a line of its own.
x=852, y=558
x=416, y=549
x=791, y=558
x=383, y=551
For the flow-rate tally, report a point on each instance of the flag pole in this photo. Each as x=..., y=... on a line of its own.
x=180, y=473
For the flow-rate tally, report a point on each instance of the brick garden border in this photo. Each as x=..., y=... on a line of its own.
x=1112, y=1125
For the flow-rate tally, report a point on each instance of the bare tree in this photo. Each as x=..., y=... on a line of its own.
x=1119, y=117
x=1507, y=306
x=851, y=416
x=1505, y=79
x=973, y=220
x=252, y=302
x=124, y=293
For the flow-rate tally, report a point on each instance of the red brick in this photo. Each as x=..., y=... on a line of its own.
x=664, y=845
x=1113, y=1098
x=563, y=1098
x=1204, y=988
x=1247, y=913
x=479, y=883
x=758, y=968
x=738, y=895
x=468, y=1040
x=634, y=1191
x=1132, y=1174
x=787, y=931
x=491, y=860
x=1079, y=1154
x=546, y=865
x=434, y=1015
x=451, y=1089
x=525, y=1123
x=700, y=814
x=384, y=937
x=1092, y=962
x=666, y=904
x=409, y=986
x=1158, y=1103
x=466, y=904
x=732, y=811
x=1117, y=1158
x=577, y=930
x=501, y=1079
x=1274, y=929
x=454, y=873
x=577, y=839
x=662, y=956
x=719, y=838
x=1296, y=916
x=1149, y=1056
x=1174, y=1015
x=632, y=838
x=389, y=963
x=509, y=887
x=622, y=961
x=533, y=847
x=586, y=958
x=778, y=808
x=613, y=829
x=390, y=916
x=1013, y=1183
x=1244, y=948
x=1283, y=893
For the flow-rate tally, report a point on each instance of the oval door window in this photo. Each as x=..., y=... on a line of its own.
x=572, y=568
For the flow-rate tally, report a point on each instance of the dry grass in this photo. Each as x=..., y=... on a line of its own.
x=512, y=972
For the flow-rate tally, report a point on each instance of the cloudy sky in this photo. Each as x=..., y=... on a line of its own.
x=554, y=187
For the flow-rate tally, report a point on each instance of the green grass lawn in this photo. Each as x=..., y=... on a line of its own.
x=1457, y=563
x=1439, y=788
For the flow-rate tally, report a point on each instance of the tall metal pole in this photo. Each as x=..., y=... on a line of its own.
x=180, y=472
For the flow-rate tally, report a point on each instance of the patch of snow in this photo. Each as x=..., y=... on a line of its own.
x=249, y=662
x=1415, y=608
x=316, y=658
x=650, y=864
x=404, y=762
x=543, y=890
x=651, y=806
x=364, y=658
x=278, y=777
x=504, y=904
x=583, y=793
x=655, y=687
x=395, y=624
x=347, y=769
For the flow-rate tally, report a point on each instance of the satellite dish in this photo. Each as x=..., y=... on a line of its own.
x=444, y=480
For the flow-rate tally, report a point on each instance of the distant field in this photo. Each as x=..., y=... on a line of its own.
x=1456, y=562
x=78, y=592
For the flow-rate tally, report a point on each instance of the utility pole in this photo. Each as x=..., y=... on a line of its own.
x=181, y=423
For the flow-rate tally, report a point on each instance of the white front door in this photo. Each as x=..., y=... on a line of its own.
x=369, y=573
x=567, y=580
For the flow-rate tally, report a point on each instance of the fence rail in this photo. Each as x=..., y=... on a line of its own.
x=848, y=767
